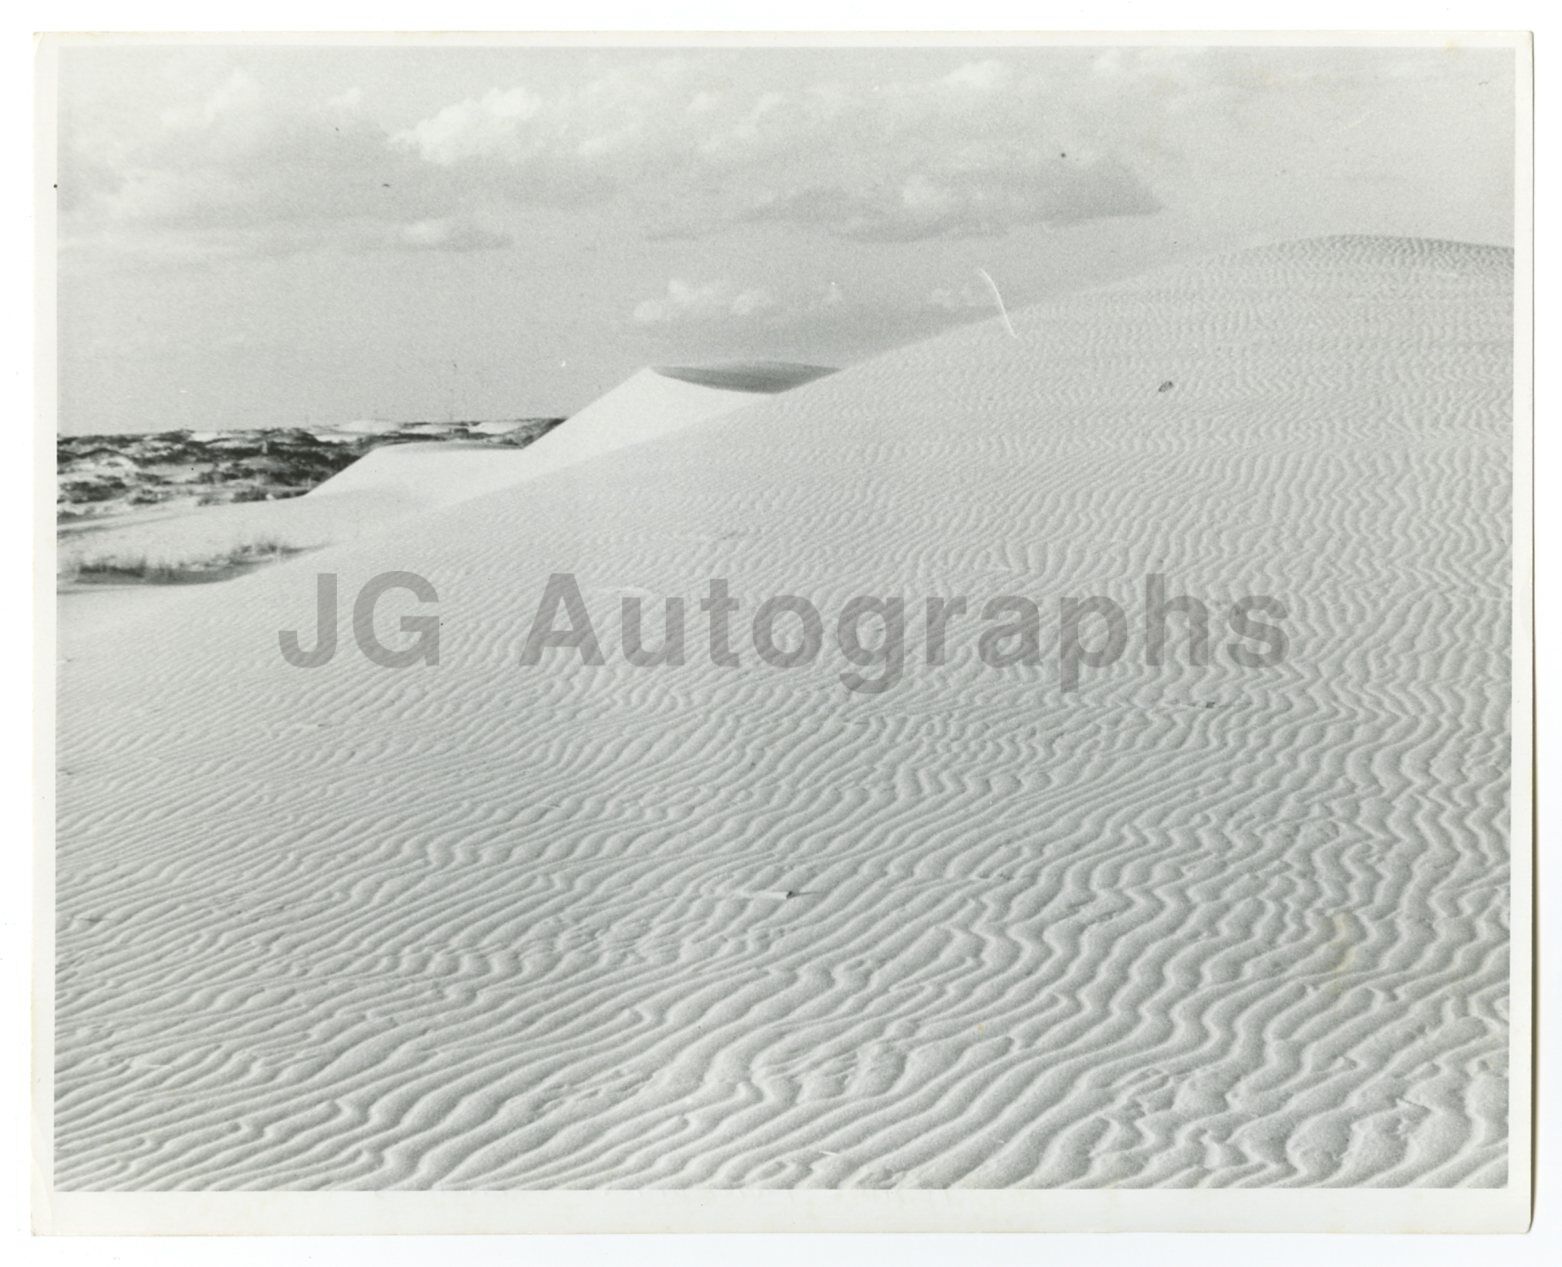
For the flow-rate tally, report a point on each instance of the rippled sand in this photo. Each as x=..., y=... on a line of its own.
x=485, y=926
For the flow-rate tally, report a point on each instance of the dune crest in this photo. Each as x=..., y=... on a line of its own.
x=650, y=403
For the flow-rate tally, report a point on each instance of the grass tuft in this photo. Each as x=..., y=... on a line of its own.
x=134, y=568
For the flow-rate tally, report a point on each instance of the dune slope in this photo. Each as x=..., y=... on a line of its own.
x=648, y=404
x=656, y=402
x=480, y=925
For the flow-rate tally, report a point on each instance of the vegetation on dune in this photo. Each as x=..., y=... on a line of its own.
x=140, y=568
x=105, y=474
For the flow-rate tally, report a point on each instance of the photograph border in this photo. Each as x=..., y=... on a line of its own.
x=1383, y=1210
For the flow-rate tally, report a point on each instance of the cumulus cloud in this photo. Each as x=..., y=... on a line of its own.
x=970, y=201
x=975, y=150
x=763, y=319
x=686, y=303
x=232, y=167
x=898, y=149
x=230, y=162
x=227, y=152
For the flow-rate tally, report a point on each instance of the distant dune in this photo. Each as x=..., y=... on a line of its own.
x=657, y=402
x=484, y=926
x=651, y=403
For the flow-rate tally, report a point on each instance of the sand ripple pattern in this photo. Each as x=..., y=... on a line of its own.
x=482, y=926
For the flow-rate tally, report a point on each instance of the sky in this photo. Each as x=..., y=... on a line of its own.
x=280, y=236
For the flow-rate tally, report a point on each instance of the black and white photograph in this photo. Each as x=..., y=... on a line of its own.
x=763, y=633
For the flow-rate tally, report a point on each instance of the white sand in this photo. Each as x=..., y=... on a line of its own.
x=483, y=926
x=655, y=403
x=650, y=403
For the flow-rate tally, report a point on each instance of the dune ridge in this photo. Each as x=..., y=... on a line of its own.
x=652, y=402
x=481, y=926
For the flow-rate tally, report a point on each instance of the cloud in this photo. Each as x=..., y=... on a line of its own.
x=690, y=303
x=875, y=148
x=488, y=126
x=225, y=162
x=976, y=150
x=581, y=143
x=972, y=201
x=232, y=167
x=719, y=312
x=452, y=233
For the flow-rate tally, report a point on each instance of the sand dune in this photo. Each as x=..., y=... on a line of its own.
x=657, y=402
x=650, y=403
x=387, y=485
x=486, y=926
x=428, y=474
